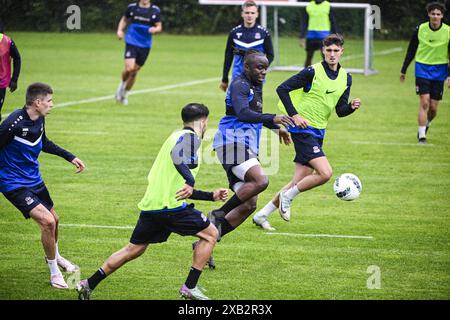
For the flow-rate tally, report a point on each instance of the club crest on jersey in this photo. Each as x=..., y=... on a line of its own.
x=257, y=35
x=29, y=200
x=24, y=132
x=239, y=34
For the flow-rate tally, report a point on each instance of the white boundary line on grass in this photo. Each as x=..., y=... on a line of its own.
x=379, y=53
x=319, y=235
x=393, y=143
x=111, y=97
x=269, y=233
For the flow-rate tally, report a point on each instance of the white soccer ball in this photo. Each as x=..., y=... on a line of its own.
x=347, y=187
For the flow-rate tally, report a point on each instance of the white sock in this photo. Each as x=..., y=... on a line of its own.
x=53, y=266
x=292, y=192
x=422, y=131
x=266, y=211
x=57, y=252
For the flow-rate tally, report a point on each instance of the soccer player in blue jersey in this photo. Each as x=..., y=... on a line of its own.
x=164, y=209
x=309, y=97
x=247, y=36
x=237, y=143
x=22, y=138
x=430, y=46
x=143, y=20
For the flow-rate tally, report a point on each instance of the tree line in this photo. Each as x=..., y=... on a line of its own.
x=398, y=17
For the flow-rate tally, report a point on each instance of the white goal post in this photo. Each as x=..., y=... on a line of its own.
x=263, y=4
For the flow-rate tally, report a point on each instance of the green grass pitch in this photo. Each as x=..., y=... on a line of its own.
x=404, y=205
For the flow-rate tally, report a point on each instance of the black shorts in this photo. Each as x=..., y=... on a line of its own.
x=140, y=54
x=435, y=88
x=313, y=44
x=26, y=199
x=231, y=155
x=156, y=227
x=307, y=148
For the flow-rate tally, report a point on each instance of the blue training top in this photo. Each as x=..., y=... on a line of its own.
x=141, y=20
x=21, y=142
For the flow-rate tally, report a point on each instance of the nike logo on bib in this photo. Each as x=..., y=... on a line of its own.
x=328, y=92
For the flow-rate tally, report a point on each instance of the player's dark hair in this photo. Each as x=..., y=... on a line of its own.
x=435, y=5
x=194, y=111
x=37, y=90
x=250, y=54
x=334, y=38
x=2, y=28
x=248, y=4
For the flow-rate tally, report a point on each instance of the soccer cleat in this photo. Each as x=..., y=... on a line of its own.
x=263, y=223
x=66, y=265
x=422, y=140
x=211, y=264
x=57, y=281
x=84, y=292
x=192, y=294
x=285, y=207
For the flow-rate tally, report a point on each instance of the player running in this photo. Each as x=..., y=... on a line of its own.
x=237, y=143
x=144, y=20
x=164, y=209
x=309, y=97
x=8, y=51
x=247, y=36
x=22, y=138
x=430, y=46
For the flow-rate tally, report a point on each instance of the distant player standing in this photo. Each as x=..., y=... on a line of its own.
x=144, y=20
x=247, y=36
x=237, y=143
x=309, y=97
x=164, y=209
x=22, y=138
x=318, y=23
x=8, y=51
x=430, y=46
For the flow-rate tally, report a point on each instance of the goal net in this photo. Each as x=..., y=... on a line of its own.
x=284, y=17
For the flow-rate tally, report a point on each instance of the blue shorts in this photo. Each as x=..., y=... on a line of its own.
x=26, y=199
x=435, y=88
x=307, y=147
x=133, y=52
x=156, y=227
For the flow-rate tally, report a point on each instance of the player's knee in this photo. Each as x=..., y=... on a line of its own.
x=262, y=183
x=134, y=251
x=213, y=234
x=48, y=223
x=326, y=175
x=424, y=105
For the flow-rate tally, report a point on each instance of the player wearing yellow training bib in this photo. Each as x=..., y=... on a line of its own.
x=309, y=97
x=164, y=209
x=430, y=46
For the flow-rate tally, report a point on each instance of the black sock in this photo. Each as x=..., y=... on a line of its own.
x=225, y=227
x=192, y=278
x=234, y=202
x=96, y=278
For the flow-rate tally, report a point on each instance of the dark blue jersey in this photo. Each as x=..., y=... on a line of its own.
x=244, y=118
x=21, y=141
x=141, y=19
x=240, y=40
